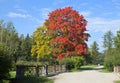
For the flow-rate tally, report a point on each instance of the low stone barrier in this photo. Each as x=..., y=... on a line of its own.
x=45, y=70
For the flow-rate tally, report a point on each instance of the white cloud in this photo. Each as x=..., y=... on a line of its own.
x=97, y=28
x=85, y=13
x=116, y=3
x=18, y=8
x=103, y=25
x=14, y=15
x=25, y=16
x=44, y=12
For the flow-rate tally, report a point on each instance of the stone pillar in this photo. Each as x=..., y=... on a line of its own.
x=60, y=68
x=36, y=71
x=44, y=70
x=54, y=67
x=20, y=69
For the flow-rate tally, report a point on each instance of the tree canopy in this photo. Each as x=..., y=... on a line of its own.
x=41, y=48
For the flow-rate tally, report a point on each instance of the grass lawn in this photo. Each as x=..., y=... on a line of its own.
x=88, y=67
x=118, y=81
x=12, y=74
x=33, y=80
x=85, y=67
x=104, y=70
x=30, y=79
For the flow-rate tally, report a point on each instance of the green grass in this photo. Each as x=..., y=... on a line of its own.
x=85, y=67
x=88, y=67
x=117, y=81
x=104, y=70
x=12, y=74
x=30, y=79
x=33, y=80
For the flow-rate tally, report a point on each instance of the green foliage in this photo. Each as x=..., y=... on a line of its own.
x=33, y=80
x=9, y=37
x=72, y=62
x=5, y=62
x=78, y=61
x=117, y=81
x=68, y=62
x=24, y=49
x=108, y=40
x=12, y=74
x=112, y=57
x=108, y=63
x=104, y=70
x=117, y=40
x=94, y=53
x=116, y=58
x=29, y=63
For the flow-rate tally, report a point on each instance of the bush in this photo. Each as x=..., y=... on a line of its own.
x=72, y=62
x=32, y=79
x=78, y=61
x=111, y=61
x=5, y=63
x=108, y=63
x=68, y=63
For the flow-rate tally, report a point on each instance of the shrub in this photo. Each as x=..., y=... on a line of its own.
x=108, y=63
x=68, y=63
x=78, y=61
x=112, y=60
x=32, y=79
x=5, y=63
x=72, y=62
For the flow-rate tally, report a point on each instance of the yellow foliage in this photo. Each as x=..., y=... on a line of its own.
x=42, y=47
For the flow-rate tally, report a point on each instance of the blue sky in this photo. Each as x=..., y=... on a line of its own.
x=27, y=15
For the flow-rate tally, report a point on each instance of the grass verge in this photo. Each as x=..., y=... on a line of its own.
x=33, y=80
x=104, y=70
x=82, y=68
x=12, y=74
x=117, y=81
x=88, y=67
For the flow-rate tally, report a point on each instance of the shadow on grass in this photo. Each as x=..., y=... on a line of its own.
x=32, y=80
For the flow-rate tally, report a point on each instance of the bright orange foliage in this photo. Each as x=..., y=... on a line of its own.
x=67, y=27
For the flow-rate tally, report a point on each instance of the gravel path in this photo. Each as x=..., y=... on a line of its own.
x=88, y=76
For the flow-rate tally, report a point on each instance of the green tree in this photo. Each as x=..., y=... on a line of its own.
x=24, y=48
x=117, y=40
x=108, y=40
x=27, y=46
x=9, y=36
x=94, y=53
x=116, y=53
x=109, y=52
x=5, y=63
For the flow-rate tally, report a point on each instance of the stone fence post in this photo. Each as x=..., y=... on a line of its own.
x=36, y=71
x=45, y=70
x=20, y=70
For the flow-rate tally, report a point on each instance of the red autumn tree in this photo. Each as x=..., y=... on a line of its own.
x=67, y=28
